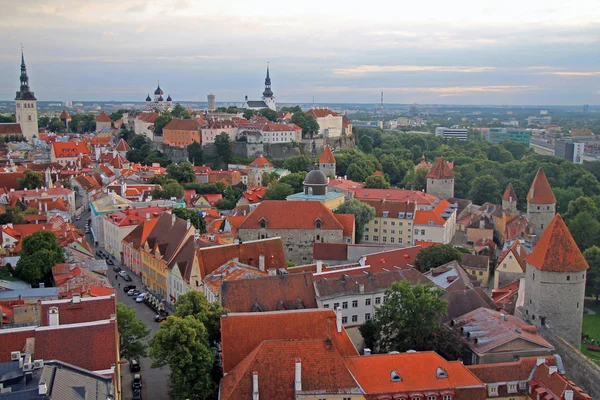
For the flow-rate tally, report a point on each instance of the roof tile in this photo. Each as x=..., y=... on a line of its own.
x=540, y=191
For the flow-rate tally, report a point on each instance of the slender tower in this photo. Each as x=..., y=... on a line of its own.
x=268, y=97
x=26, y=105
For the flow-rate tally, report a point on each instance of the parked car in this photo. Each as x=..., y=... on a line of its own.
x=136, y=292
x=127, y=288
x=110, y=262
x=134, y=365
x=137, y=382
x=131, y=292
x=78, y=218
x=116, y=268
x=137, y=394
x=126, y=278
x=160, y=317
x=122, y=273
x=140, y=298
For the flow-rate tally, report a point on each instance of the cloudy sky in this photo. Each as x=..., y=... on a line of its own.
x=454, y=52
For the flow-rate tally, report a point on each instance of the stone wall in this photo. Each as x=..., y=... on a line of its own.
x=540, y=216
x=175, y=154
x=580, y=369
x=442, y=188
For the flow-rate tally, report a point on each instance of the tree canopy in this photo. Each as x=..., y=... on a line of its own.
x=39, y=253
x=182, y=172
x=592, y=281
x=436, y=255
x=31, y=180
x=160, y=122
x=180, y=112
x=224, y=147
x=297, y=163
x=132, y=333
x=193, y=216
x=377, y=182
x=278, y=191
x=363, y=213
x=195, y=153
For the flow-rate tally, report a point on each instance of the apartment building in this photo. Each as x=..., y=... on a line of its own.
x=392, y=225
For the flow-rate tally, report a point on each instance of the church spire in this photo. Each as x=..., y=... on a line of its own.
x=24, y=93
x=268, y=92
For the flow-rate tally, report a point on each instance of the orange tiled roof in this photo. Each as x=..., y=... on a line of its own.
x=347, y=221
x=440, y=170
x=64, y=115
x=509, y=193
x=540, y=191
x=291, y=215
x=278, y=325
x=254, y=194
x=147, y=117
x=123, y=146
x=556, y=250
x=273, y=127
x=102, y=117
x=320, y=112
x=260, y=162
x=417, y=372
x=327, y=156
x=177, y=124
x=518, y=251
x=402, y=258
x=69, y=149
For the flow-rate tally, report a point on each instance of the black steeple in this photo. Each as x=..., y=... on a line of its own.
x=313, y=154
x=24, y=93
x=268, y=92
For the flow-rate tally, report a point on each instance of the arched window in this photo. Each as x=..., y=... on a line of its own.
x=263, y=224
x=318, y=226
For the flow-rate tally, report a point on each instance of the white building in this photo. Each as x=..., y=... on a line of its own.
x=144, y=124
x=281, y=133
x=330, y=123
x=454, y=132
x=159, y=103
x=267, y=101
x=437, y=225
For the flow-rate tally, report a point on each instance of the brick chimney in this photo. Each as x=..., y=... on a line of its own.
x=254, y=385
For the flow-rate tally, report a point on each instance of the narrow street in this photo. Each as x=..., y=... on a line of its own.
x=155, y=381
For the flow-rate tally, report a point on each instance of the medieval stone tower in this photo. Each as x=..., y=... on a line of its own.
x=541, y=204
x=509, y=199
x=440, y=180
x=327, y=162
x=26, y=105
x=555, y=283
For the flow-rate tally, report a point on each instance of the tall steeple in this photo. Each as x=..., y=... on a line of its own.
x=24, y=93
x=313, y=155
x=268, y=92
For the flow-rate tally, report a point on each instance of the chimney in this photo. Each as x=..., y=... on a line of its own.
x=53, y=319
x=298, y=375
x=338, y=319
x=481, y=223
x=42, y=388
x=254, y=385
x=261, y=262
x=188, y=224
x=76, y=298
x=361, y=288
x=319, y=266
x=173, y=219
x=367, y=352
x=568, y=394
x=552, y=369
x=148, y=216
x=272, y=271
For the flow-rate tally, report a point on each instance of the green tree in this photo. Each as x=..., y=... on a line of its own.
x=484, y=189
x=269, y=114
x=182, y=172
x=592, y=281
x=564, y=197
x=56, y=126
x=436, y=255
x=585, y=229
x=278, y=191
x=356, y=173
x=249, y=113
x=416, y=179
x=137, y=141
x=180, y=112
x=160, y=122
x=363, y=213
x=196, y=305
x=224, y=147
x=117, y=115
x=193, y=216
x=377, y=182
x=182, y=344
x=409, y=317
x=132, y=333
x=581, y=205
x=232, y=110
x=366, y=144
x=297, y=163
x=308, y=123
x=195, y=153
x=295, y=180
x=269, y=177
x=39, y=253
x=12, y=215
x=31, y=180
x=42, y=121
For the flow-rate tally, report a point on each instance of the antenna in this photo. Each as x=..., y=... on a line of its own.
x=382, y=102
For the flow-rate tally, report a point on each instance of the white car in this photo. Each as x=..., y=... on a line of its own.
x=140, y=298
x=122, y=273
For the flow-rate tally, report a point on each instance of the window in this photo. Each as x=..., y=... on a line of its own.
x=385, y=222
x=344, y=320
x=385, y=298
x=480, y=273
x=522, y=385
x=393, y=223
x=367, y=316
x=504, y=265
x=367, y=229
x=354, y=303
x=355, y=318
x=318, y=225
x=385, y=239
x=366, y=237
x=367, y=302
x=375, y=238
x=533, y=279
x=377, y=300
x=393, y=231
x=568, y=277
x=391, y=240
x=376, y=222
x=385, y=231
x=345, y=305
x=422, y=231
x=325, y=305
x=318, y=237
x=336, y=306
x=447, y=397
x=430, y=397
x=263, y=224
x=375, y=230
x=512, y=388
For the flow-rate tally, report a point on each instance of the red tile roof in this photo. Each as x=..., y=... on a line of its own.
x=425, y=244
x=327, y=156
x=10, y=129
x=540, y=191
x=241, y=333
x=347, y=221
x=508, y=371
x=122, y=146
x=64, y=115
x=553, y=385
x=509, y=193
x=440, y=170
x=402, y=258
x=397, y=195
x=254, y=194
x=330, y=251
x=518, y=251
x=260, y=162
x=273, y=127
x=102, y=117
x=177, y=124
x=211, y=258
x=147, y=117
x=556, y=250
x=417, y=372
x=322, y=371
x=291, y=215
x=320, y=112
x=270, y=293
x=88, y=310
x=69, y=149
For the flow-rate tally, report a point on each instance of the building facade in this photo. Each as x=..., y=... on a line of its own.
x=541, y=204
x=392, y=224
x=26, y=105
x=452, y=133
x=330, y=123
x=440, y=180
x=327, y=162
x=497, y=135
x=182, y=132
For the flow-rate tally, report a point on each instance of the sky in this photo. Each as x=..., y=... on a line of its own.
x=443, y=52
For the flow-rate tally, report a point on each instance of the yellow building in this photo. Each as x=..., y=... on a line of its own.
x=478, y=267
x=159, y=249
x=392, y=225
x=511, y=265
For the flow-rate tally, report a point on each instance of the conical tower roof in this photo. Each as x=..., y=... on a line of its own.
x=327, y=156
x=556, y=250
x=509, y=193
x=440, y=170
x=540, y=191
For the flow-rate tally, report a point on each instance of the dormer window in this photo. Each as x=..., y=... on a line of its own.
x=263, y=224
x=441, y=373
x=395, y=377
x=318, y=224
